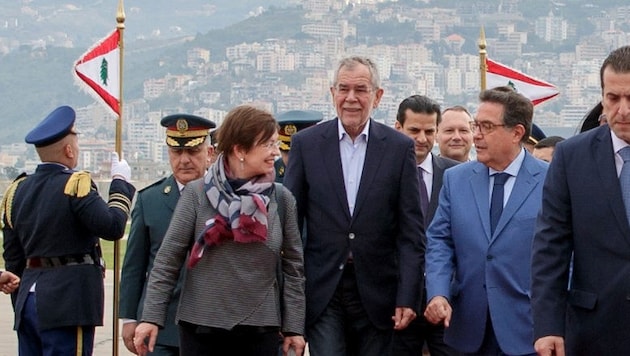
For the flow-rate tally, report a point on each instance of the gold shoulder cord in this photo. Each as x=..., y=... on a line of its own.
x=79, y=184
x=7, y=201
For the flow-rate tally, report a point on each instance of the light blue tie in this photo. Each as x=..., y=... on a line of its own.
x=624, y=178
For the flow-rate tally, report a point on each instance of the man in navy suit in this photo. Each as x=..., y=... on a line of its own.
x=418, y=117
x=479, y=242
x=356, y=188
x=585, y=217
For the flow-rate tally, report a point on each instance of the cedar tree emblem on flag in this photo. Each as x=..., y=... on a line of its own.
x=535, y=89
x=104, y=72
x=98, y=71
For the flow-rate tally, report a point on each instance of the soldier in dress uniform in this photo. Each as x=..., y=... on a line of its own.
x=52, y=221
x=536, y=135
x=189, y=153
x=290, y=123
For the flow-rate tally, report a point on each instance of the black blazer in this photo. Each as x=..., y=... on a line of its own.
x=440, y=164
x=385, y=232
x=583, y=213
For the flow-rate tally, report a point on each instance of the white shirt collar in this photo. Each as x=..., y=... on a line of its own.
x=427, y=164
x=617, y=142
x=514, y=167
x=342, y=130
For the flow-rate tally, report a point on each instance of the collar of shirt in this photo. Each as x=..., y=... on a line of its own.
x=618, y=144
x=180, y=186
x=512, y=170
x=427, y=164
x=342, y=130
x=514, y=167
x=56, y=164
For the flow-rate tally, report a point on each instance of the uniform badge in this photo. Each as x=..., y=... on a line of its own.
x=167, y=189
x=182, y=126
x=290, y=129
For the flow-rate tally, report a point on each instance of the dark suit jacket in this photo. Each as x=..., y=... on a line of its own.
x=149, y=221
x=583, y=212
x=48, y=223
x=440, y=164
x=385, y=232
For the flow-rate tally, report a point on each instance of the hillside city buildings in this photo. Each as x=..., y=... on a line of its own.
x=330, y=32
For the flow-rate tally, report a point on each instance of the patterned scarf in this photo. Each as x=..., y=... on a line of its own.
x=242, y=213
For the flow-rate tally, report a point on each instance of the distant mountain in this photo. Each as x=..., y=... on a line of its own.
x=85, y=21
x=36, y=81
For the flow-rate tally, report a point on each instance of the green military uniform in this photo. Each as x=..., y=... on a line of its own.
x=150, y=219
x=290, y=123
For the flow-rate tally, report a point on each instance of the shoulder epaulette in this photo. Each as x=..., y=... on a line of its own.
x=7, y=200
x=79, y=184
x=153, y=184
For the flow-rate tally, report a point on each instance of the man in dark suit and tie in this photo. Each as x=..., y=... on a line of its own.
x=356, y=186
x=418, y=117
x=189, y=154
x=479, y=242
x=585, y=218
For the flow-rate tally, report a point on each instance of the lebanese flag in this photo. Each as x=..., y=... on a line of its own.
x=99, y=69
x=534, y=89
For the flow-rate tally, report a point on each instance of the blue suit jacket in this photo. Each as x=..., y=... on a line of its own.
x=477, y=271
x=149, y=221
x=583, y=212
x=385, y=232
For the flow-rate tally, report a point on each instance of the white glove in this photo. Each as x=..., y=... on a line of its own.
x=120, y=168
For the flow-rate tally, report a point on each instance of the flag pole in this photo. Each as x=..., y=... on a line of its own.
x=483, y=54
x=120, y=26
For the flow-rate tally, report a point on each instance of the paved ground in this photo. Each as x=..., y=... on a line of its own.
x=102, y=344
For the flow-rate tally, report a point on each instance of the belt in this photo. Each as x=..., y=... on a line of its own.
x=68, y=260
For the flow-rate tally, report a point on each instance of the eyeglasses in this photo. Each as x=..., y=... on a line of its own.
x=271, y=145
x=485, y=127
x=360, y=91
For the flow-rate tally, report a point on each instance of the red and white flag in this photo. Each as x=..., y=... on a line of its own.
x=535, y=89
x=99, y=69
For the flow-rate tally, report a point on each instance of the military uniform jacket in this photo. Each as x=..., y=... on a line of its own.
x=280, y=169
x=233, y=283
x=149, y=221
x=43, y=221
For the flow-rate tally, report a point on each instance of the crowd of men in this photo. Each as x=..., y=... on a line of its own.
x=522, y=250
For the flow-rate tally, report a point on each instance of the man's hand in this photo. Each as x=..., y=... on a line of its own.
x=402, y=317
x=128, y=333
x=438, y=310
x=9, y=282
x=297, y=343
x=550, y=346
x=144, y=339
x=120, y=168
